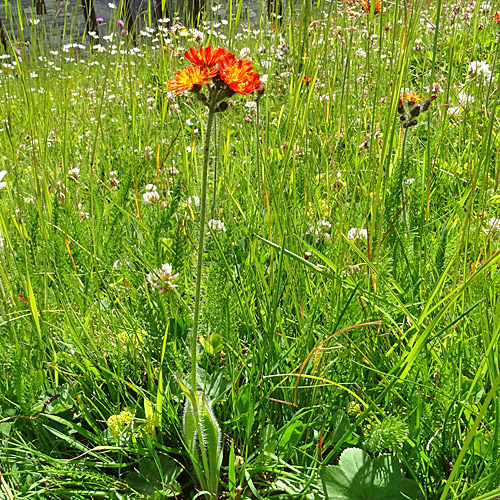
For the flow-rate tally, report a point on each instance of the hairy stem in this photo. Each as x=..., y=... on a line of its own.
x=203, y=203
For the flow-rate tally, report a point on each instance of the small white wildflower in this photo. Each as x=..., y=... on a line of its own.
x=83, y=215
x=162, y=278
x=244, y=53
x=323, y=225
x=479, y=71
x=151, y=196
x=113, y=181
x=74, y=173
x=217, y=226
x=193, y=201
x=2, y=175
x=493, y=225
x=355, y=232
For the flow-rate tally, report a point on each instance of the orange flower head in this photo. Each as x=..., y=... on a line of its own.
x=413, y=97
x=187, y=78
x=496, y=16
x=205, y=57
x=238, y=75
x=366, y=5
x=307, y=79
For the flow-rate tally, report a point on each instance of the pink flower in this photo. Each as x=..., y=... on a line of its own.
x=162, y=278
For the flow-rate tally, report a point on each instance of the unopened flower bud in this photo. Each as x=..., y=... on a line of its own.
x=415, y=111
x=401, y=108
x=410, y=123
x=221, y=107
x=427, y=103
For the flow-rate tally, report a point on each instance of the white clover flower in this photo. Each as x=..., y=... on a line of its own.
x=493, y=226
x=355, y=232
x=74, y=173
x=2, y=175
x=162, y=279
x=83, y=215
x=479, y=71
x=151, y=196
x=113, y=181
x=323, y=226
x=244, y=53
x=217, y=226
x=360, y=53
x=193, y=201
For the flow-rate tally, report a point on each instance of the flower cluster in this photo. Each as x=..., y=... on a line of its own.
x=222, y=69
x=118, y=423
x=151, y=196
x=480, y=72
x=217, y=226
x=162, y=278
x=356, y=232
x=414, y=108
x=321, y=230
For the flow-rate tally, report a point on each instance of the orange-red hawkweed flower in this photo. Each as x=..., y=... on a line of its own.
x=187, y=78
x=413, y=97
x=205, y=57
x=366, y=5
x=238, y=75
x=496, y=16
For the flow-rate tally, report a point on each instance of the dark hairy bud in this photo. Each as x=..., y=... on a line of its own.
x=415, y=111
x=427, y=103
x=221, y=107
x=410, y=123
x=401, y=107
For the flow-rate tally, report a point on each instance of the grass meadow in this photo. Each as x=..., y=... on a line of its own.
x=348, y=341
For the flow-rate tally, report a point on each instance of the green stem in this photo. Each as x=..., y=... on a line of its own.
x=401, y=178
x=216, y=166
x=204, y=183
x=257, y=146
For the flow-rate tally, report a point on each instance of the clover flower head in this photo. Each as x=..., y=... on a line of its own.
x=479, y=71
x=355, y=233
x=162, y=279
x=217, y=226
x=151, y=196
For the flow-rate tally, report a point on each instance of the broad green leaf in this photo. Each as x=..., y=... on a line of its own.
x=358, y=477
